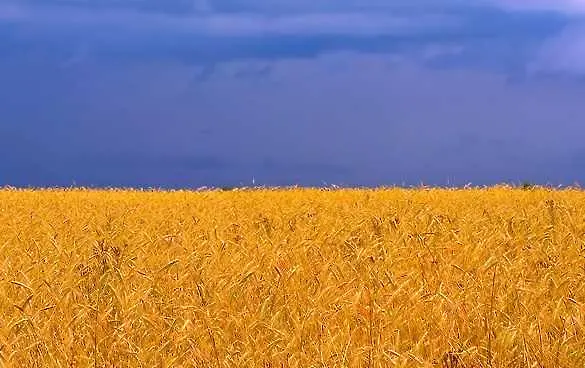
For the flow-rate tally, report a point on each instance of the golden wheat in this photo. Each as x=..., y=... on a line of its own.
x=292, y=278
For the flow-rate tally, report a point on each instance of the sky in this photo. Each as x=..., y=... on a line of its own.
x=191, y=93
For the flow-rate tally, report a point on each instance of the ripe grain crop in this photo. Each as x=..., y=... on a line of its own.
x=292, y=278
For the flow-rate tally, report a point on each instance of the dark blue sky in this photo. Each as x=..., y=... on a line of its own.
x=186, y=93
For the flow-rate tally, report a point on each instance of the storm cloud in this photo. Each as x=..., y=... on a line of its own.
x=190, y=93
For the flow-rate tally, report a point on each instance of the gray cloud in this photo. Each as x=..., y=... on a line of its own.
x=229, y=25
x=310, y=6
x=348, y=92
x=563, y=54
x=262, y=6
x=69, y=35
x=573, y=7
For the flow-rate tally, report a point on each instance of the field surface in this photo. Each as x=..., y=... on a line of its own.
x=292, y=278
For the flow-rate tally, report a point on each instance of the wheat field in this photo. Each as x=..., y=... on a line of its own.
x=292, y=278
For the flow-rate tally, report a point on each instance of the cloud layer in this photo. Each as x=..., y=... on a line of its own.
x=230, y=25
x=346, y=91
x=231, y=30
x=563, y=6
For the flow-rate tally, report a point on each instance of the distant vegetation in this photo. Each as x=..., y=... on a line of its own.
x=293, y=278
x=526, y=185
